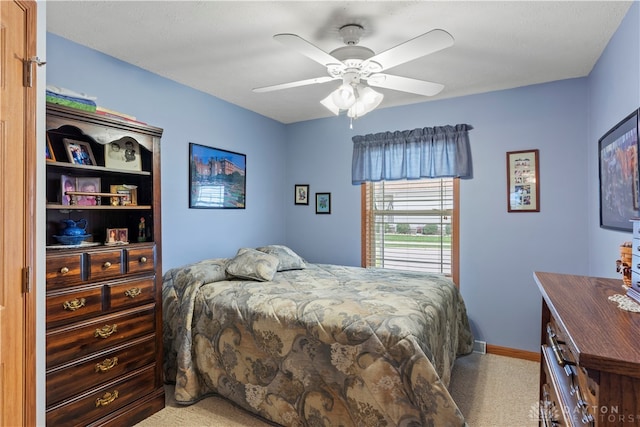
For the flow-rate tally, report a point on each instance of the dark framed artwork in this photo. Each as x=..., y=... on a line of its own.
x=523, y=181
x=618, y=169
x=301, y=194
x=50, y=156
x=217, y=178
x=323, y=203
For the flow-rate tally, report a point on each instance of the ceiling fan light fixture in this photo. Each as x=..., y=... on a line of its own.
x=344, y=97
x=330, y=105
x=368, y=100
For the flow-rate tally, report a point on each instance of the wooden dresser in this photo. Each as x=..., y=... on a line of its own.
x=103, y=300
x=590, y=364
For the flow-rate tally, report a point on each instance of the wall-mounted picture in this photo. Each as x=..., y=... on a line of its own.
x=123, y=154
x=79, y=152
x=117, y=236
x=88, y=185
x=216, y=178
x=523, y=181
x=323, y=203
x=301, y=194
x=50, y=156
x=618, y=166
x=128, y=195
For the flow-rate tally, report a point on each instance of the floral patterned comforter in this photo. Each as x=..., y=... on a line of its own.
x=325, y=345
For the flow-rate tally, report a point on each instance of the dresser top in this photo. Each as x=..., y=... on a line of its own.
x=603, y=336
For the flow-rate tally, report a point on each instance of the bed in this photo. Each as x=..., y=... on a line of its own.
x=303, y=344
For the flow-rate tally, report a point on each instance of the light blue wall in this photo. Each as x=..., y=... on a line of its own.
x=614, y=92
x=188, y=115
x=499, y=250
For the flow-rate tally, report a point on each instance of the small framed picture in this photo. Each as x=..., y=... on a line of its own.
x=523, y=181
x=301, y=194
x=117, y=236
x=50, y=156
x=79, y=152
x=128, y=195
x=88, y=185
x=67, y=183
x=323, y=203
x=123, y=154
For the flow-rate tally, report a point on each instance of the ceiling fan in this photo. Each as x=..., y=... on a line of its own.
x=359, y=68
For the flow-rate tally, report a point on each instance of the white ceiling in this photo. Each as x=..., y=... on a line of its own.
x=225, y=48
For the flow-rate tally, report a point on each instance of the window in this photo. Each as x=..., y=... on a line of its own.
x=411, y=225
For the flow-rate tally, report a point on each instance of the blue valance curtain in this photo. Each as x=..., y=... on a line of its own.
x=431, y=152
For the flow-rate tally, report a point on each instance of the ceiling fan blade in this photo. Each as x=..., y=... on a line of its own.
x=306, y=48
x=294, y=84
x=423, y=45
x=405, y=84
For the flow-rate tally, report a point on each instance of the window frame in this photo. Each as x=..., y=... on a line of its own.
x=366, y=218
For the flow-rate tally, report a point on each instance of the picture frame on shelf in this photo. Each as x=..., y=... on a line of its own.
x=88, y=185
x=79, y=152
x=523, y=181
x=129, y=192
x=50, y=155
x=301, y=194
x=123, y=154
x=117, y=236
x=323, y=203
x=217, y=178
x=618, y=173
x=67, y=183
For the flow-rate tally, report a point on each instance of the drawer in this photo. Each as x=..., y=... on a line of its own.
x=105, y=264
x=73, y=379
x=71, y=342
x=102, y=400
x=141, y=260
x=74, y=305
x=63, y=270
x=131, y=293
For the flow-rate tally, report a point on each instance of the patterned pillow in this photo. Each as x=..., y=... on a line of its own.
x=289, y=260
x=252, y=264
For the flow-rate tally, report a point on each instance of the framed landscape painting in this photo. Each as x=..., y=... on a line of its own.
x=217, y=178
x=618, y=167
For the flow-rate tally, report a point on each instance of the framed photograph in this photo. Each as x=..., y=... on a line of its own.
x=323, y=203
x=67, y=183
x=129, y=195
x=523, y=181
x=123, y=154
x=87, y=185
x=79, y=152
x=50, y=156
x=117, y=236
x=217, y=178
x=618, y=168
x=301, y=194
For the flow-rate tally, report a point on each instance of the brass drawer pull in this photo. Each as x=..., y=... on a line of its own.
x=107, y=398
x=106, y=265
x=73, y=305
x=143, y=260
x=133, y=292
x=106, y=365
x=106, y=331
x=64, y=270
x=557, y=351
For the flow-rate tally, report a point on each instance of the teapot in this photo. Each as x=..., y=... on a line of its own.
x=74, y=228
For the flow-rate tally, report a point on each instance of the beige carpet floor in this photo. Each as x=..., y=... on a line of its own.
x=490, y=390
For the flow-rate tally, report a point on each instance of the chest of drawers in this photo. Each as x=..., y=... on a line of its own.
x=590, y=364
x=102, y=335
